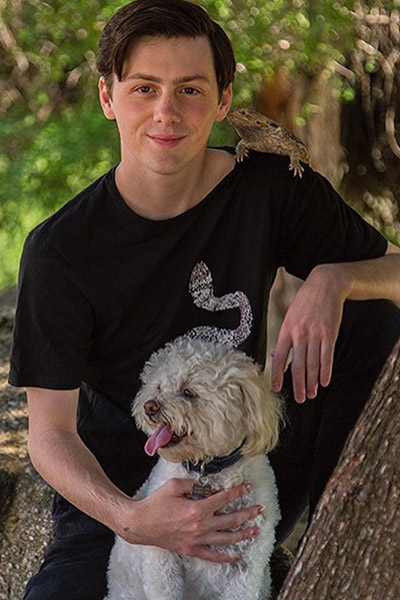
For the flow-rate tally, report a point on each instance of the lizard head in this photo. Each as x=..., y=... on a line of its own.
x=244, y=118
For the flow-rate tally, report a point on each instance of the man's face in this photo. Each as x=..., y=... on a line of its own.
x=166, y=103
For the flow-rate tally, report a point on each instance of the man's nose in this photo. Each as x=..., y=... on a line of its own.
x=166, y=110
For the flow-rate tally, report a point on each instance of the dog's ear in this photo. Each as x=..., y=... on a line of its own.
x=263, y=412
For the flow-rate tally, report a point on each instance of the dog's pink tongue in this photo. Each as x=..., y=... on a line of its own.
x=158, y=439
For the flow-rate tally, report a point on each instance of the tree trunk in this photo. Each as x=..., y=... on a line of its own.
x=282, y=98
x=352, y=548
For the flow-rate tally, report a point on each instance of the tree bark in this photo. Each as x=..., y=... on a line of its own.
x=352, y=548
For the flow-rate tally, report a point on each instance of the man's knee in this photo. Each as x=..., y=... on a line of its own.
x=75, y=568
x=68, y=585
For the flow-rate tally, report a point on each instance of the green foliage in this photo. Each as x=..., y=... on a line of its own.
x=54, y=139
x=299, y=34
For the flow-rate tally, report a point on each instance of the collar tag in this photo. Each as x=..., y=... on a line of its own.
x=200, y=491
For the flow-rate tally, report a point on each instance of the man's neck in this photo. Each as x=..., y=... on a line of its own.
x=161, y=197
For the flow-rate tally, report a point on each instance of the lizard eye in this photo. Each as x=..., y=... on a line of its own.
x=188, y=393
x=274, y=125
x=258, y=122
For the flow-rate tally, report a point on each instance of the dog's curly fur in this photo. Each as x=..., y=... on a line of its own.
x=229, y=401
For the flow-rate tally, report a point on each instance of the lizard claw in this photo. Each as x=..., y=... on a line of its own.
x=241, y=151
x=296, y=167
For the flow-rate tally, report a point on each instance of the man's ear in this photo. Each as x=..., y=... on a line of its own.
x=224, y=104
x=106, y=100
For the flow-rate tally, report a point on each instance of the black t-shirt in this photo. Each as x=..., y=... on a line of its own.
x=100, y=287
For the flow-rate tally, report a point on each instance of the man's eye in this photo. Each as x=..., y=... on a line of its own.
x=190, y=91
x=143, y=89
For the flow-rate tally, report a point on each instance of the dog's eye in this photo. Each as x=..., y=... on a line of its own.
x=187, y=393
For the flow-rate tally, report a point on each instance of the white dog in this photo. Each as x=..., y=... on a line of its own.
x=206, y=408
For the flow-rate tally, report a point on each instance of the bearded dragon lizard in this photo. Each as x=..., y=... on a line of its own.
x=265, y=135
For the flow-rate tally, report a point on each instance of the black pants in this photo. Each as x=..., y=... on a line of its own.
x=310, y=445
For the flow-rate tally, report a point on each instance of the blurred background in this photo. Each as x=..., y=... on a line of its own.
x=329, y=70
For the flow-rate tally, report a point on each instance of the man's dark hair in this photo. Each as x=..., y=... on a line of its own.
x=167, y=18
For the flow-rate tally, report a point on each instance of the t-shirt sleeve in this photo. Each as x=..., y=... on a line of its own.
x=53, y=323
x=316, y=226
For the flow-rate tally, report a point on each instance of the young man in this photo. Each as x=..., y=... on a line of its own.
x=114, y=275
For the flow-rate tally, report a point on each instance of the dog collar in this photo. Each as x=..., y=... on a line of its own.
x=216, y=465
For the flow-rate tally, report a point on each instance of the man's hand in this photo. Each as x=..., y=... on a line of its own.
x=312, y=322
x=309, y=330
x=167, y=519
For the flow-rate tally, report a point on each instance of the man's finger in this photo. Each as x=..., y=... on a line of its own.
x=279, y=359
x=327, y=350
x=234, y=520
x=298, y=369
x=313, y=369
x=224, y=497
x=229, y=538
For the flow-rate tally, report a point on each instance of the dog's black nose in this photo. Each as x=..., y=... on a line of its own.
x=151, y=407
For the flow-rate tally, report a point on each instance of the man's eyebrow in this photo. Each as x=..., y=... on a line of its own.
x=184, y=79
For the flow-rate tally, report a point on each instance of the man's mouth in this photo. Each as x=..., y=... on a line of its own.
x=168, y=141
x=161, y=438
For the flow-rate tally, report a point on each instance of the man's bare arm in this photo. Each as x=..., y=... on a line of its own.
x=312, y=322
x=166, y=518
x=59, y=455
